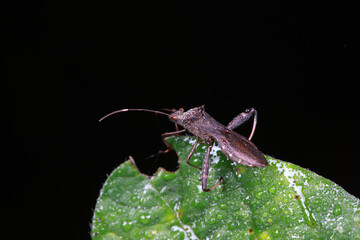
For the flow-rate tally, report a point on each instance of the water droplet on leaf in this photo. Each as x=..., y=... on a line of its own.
x=222, y=206
x=212, y=220
x=272, y=189
x=276, y=232
x=232, y=225
x=144, y=218
x=259, y=195
x=337, y=210
x=273, y=210
x=168, y=176
x=134, y=198
x=127, y=226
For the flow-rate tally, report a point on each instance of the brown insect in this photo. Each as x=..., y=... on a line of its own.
x=235, y=146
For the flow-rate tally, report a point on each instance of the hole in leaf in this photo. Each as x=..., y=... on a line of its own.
x=152, y=163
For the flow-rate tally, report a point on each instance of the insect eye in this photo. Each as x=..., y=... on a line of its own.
x=173, y=117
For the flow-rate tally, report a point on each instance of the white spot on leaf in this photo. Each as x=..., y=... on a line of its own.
x=187, y=230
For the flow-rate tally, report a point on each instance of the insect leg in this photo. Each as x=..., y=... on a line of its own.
x=205, y=172
x=243, y=117
x=165, y=135
x=191, y=153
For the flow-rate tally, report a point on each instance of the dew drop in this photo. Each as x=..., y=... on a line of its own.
x=220, y=216
x=265, y=214
x=273, y=210
x=134, y=198
x=232, y=225
x=286, y=212
x=144, y=218
x=272, y=189
x=276, y=232
x=318, y=209
x=127, y=225
x=223, y=206
x=285, y=200
x=168, y=176
x=269, y=220
x=212, y=220
x=119, y=211
x=258, y=195
x=337, y=210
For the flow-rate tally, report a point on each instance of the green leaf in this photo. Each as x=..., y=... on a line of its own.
x=281, y=201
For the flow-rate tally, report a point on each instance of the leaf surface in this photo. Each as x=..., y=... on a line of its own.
x=281, y=201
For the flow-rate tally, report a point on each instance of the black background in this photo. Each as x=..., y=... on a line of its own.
x=65, y=65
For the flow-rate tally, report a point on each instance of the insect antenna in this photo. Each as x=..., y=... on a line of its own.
x=131, y=109
x=169, y=110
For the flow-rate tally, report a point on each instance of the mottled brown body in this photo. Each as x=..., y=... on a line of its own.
x=236, y=147
x=232, y=144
